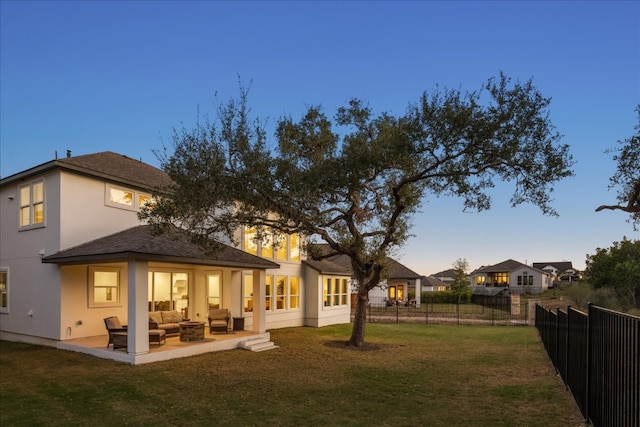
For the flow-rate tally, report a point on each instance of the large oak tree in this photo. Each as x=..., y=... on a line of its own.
x=355, y=180
x=627, y=176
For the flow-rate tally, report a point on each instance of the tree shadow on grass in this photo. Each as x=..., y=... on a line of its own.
x=364, y=347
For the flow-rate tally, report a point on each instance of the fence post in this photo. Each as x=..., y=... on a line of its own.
x=426, y=314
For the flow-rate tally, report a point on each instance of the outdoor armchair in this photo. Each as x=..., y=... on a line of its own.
x=218, y=320
x=113, y=325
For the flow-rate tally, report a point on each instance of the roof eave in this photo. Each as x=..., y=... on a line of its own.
x=128, y=256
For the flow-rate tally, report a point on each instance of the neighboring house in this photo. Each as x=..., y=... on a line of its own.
x=559, y=271
x=517, y=277
x=73, y=252
x=446, y=276
x=402, y=286
x=432, y=284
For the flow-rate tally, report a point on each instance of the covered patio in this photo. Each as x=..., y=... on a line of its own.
x=173, y=348
x=134, y=255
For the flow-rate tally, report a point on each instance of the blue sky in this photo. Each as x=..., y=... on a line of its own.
x=118, y=76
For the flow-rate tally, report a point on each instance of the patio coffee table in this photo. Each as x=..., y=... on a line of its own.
x=191, y=331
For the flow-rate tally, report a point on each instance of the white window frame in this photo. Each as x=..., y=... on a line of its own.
x=135, y=197
x=273, y=246
x=328, y=298
x=30, y=204
x=293, y=296
x=247, y=300
x=5, y=308
x=209, y=297
x=91, y=287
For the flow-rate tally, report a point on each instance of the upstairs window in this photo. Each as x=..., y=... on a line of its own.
x=32, y=204
x=271, y=245
x=125, y=198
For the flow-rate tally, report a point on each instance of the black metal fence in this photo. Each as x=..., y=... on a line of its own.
x=497, y=311
x=598, y=357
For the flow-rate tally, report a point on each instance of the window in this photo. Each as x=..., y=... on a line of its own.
x=250, y=243
x=294, y=292
x=335, y=291
x=104, y=287
x=480, y=280
x=32, y=204
x=268, y=303
x=271, y=245
x=266, y=247
x=213, y=290
x=4, y=290
x=125, y=198
x=525, y=279
x=294, y=247
x=169, y=291
x=248, y=293
x=281, y=247
x=501, y=279
x=281, y=292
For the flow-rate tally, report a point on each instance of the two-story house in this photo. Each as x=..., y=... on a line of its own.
x=73, y=252
x=515, y=276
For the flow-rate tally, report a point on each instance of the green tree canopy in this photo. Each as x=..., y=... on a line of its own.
x=627, y=176
x=355, y=181
x=617, y=267
x=460, y=284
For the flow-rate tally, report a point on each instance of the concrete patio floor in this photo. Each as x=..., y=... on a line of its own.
x=172, y=349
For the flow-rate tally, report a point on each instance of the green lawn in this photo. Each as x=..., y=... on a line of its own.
x=421, y=375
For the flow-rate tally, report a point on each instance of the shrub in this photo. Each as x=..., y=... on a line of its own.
x=445, y=297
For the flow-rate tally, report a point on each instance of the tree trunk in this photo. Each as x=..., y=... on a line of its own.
x=360, y=319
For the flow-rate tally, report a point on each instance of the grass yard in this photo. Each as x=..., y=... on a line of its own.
x=422, y=375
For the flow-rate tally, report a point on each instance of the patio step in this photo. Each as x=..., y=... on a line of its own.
x=257, y=344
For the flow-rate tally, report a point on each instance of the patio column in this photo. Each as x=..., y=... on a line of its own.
x=137, y=308
x=259, y=295
x=418, y=292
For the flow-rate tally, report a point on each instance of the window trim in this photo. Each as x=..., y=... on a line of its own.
x=135, y=197
x=273, y=246
x=92, y=303
x=5, y=309
x=329, y=297
x=31, y=204
x=208, y=297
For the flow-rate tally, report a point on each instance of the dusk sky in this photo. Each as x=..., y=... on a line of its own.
x=119, y=76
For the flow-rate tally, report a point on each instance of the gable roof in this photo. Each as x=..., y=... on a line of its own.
x=139, y=243
x=561, y=266
x=446, y=274
x=340, y=264
x=432, y=281
x=106, y=165
x=504, y=266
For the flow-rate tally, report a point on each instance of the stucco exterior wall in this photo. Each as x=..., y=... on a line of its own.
x=84, y=215
x=34, y=293
x=77, y=318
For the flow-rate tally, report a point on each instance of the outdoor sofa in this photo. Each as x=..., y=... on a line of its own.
x=167, y=320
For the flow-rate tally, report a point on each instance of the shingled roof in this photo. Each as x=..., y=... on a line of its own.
x=341, y=265
x=504, y=266
x=106, y=165
x=561, y=266
x=138, y=242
